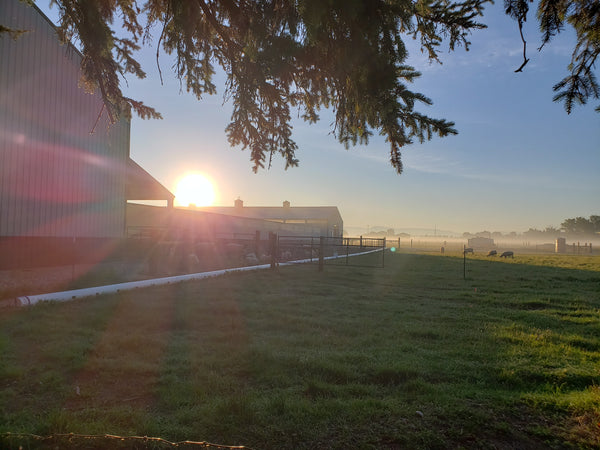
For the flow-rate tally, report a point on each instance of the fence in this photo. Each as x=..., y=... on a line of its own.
x=331, y=250
x=455, y=245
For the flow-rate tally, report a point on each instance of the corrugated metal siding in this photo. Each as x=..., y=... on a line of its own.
x=56, y=179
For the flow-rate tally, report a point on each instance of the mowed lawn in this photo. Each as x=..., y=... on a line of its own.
x=407, y=356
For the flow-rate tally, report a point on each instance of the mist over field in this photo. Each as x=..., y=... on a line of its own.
x=532, y=240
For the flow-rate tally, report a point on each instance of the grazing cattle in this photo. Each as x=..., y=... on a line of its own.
x=507, y=254
x=492, y=253
x=468, y=250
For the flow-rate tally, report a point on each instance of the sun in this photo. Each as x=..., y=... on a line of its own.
x=194, y=189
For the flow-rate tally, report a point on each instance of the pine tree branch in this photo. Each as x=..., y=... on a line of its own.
x=525, y=59
x=233, y=46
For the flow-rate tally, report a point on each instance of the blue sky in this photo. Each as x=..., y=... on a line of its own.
x=519, y=160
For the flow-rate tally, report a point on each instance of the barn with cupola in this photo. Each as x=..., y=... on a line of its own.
x=316, y=220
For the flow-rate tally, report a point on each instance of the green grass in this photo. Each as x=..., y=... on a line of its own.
x=409, y=356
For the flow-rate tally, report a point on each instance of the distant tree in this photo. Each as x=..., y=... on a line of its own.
x=532, y=233
x=595, y=220
x=584, y=225
x=553, y=15
x=581, y=225
x=551, y=230
x=568, y=225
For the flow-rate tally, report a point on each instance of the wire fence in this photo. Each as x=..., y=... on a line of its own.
x=101, y=441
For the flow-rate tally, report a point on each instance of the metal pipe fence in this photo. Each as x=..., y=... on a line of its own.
x=331, y=250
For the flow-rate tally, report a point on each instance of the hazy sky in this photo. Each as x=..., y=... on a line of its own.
x=519, y=160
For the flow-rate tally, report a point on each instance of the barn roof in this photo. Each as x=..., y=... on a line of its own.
x=140, y=185
x=329, y=213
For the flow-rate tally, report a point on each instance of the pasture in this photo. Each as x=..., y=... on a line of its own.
x=407, y=356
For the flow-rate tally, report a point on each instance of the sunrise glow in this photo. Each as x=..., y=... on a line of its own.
x=194, y=189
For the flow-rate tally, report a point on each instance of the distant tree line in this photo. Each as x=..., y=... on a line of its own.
x=390, y=232
x=579, y=226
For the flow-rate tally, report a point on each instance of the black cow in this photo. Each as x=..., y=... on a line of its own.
x=507, y=254
x=492, y=253
x=468, y=250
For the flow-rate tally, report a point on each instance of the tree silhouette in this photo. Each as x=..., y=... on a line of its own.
x=281, y=55
x=581, y=225
x=278, y=55
x=553, y=15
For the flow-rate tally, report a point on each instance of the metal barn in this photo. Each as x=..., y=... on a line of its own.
x=63, y=166
x=316, y=220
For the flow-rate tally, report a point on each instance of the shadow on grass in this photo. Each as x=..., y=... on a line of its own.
x=410, y=355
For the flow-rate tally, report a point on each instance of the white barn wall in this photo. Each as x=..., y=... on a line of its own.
x=56, y=178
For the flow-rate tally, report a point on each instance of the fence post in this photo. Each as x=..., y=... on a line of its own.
x=321, y=253
x=273, y=242
x=383, y=253
x=347, y=249
x=464, y=262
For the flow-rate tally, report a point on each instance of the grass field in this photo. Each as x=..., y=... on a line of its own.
x=407, y=356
